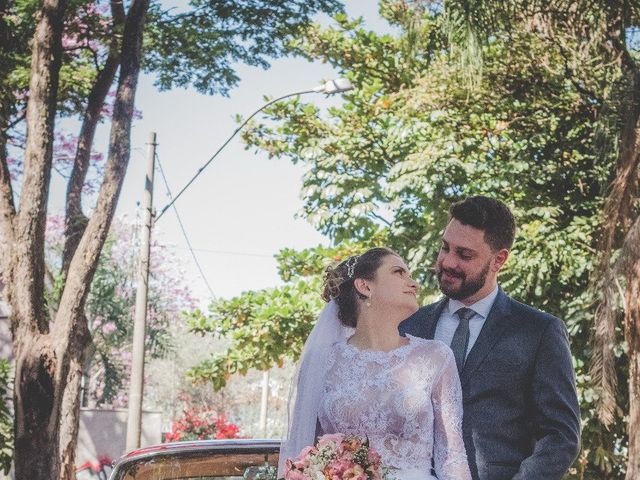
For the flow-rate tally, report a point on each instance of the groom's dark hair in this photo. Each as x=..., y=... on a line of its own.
x=487, y=214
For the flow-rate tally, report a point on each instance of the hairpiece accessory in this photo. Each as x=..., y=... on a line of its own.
x=351, y=265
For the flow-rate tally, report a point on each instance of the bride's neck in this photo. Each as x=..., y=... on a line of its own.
x=376, y=333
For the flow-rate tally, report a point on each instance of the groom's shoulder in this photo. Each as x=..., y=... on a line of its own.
x=423, y=312
x=431, y=307
x=536, y=317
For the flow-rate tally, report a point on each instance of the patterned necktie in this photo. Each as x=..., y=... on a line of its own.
x=460, y=340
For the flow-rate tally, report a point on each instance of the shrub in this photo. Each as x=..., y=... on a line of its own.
x=201, y=425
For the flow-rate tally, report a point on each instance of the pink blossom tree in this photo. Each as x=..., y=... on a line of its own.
x=111, y=303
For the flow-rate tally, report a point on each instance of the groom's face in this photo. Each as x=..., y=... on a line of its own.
x=465, y=262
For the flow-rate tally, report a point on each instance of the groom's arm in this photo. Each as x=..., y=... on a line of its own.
x=556, y=413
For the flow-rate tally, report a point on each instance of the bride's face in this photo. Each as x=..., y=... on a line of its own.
x=393, y=288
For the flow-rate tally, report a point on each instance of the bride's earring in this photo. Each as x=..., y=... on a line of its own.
x=368, y=301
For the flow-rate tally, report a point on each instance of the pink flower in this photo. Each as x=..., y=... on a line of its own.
x=306, y=451
x=294, y=475
x=354, y=473
x=302, y=460
x=333, y=438
x=338, y=457
x=336, y=469
x=290, y=471
x=108, y=328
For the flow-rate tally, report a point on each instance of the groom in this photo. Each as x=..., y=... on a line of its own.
x=521, y=415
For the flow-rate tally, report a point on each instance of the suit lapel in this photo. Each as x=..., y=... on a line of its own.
x=491, y=332
x=432, y=317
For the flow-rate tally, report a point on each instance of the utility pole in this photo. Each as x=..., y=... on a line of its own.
x=134, y=417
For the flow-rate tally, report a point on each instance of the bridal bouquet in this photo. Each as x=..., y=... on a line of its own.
x=337, y=457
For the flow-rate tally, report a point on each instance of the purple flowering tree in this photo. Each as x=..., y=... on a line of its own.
x=111, y=303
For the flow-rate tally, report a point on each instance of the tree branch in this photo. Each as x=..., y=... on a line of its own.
x=623, y=190
x=84, y=262
x=616, y=223
x=75, y=220
x=19, y=118
x=30, y=221
x=70, y=333
x=7, y=208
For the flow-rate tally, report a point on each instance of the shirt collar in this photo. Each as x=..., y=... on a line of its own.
x=481, y=307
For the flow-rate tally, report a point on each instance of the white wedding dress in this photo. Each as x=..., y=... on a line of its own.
x=408, y=402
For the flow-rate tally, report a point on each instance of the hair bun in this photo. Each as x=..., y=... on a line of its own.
x=333, y=279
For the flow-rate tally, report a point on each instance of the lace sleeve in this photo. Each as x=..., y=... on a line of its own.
x=448, y=446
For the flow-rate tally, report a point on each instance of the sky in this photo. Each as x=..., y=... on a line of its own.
x=242, y=209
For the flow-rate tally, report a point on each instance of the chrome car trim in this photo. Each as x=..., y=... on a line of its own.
x=180, y=449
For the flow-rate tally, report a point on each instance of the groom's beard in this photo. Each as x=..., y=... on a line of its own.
x=468, y=285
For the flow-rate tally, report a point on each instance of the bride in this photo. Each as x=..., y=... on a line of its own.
x=357, y=375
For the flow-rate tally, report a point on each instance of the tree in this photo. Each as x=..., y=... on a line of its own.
x=423, y=128
x=61, y=58
x=584, y=34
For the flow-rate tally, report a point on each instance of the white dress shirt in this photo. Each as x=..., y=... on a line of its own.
x=448, y=321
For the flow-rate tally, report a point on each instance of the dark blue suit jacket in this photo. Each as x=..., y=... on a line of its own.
x=521, y=415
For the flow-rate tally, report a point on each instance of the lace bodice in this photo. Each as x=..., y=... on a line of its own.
x=408, y=402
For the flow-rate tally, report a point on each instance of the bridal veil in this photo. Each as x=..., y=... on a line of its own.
x=308, y=382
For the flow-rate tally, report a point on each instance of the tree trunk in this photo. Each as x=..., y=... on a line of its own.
x=36, y=399
x=617, y=217
x=70, y=416
x=630, y=157
x=619, y=203
x=75, y=220
x=632, y=336
x=36, y=416
x=7, y=207
x=628, y=268
x=49, y=356
x=70, y=320
x=75, y=225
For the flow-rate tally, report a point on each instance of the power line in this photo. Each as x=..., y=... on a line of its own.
x=184, y=232
x=201, y=169
x=227, y=252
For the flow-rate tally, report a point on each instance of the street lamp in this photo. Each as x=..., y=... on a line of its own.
x=330, y=87
x=134, y=417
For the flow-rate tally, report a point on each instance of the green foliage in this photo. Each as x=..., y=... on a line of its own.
x=265, y=326
x=268, y=326
x=6, y=418
x=199, y=45
x=202, y=46
x=87, y=32
x=534, y=125
x=529, y=131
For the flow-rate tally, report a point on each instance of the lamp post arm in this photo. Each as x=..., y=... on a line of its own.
x=201, y=169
